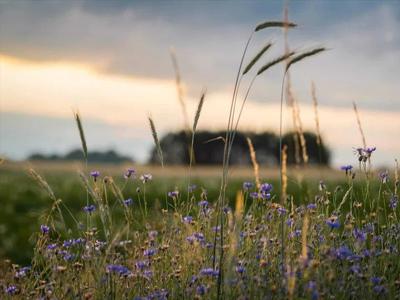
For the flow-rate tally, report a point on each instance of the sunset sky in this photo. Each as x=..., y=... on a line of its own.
x=111, y=61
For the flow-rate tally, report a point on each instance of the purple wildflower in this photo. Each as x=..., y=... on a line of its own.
x=393, y=202
x=254, y=195
x=384, y=176
x=89, y=208
x=312, y=206
x=359, y=235
x=333, y=222
x=11, y=290
x=44, y=229
x=240, y=269
x=247, y=185
x=203, y=203
x=118, y=269
x=188, y=219
x=129, y=173
x=149, y=252
x=51, y=246
x=281, y=211
x=209, y=272
x=346, y=168
x=201, y=290
x=146, y=177
x=95, y=174
x=192, y=188
x=22, y=272
x=128, y=202
x=173, y=194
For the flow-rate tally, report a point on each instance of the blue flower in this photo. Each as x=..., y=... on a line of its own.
x=188, y=219
x=240, y=269
x=359, y=235
x=146, y=178
x=129, y=173
x=312, y=206
x=247, y=185
x=343, y=252
x=384, y=176
x=89, y=208
x=173, y=194
x=266, y=188
x=209, y=272
x=118, y=269
x=192, y=188
x=254, y=195
x=346, y=168
x=44, y=229
x=128, y=202
x=149, y=252
x=95, y=174
x=376, y=280
x=333, y=222
x=22, y=272
x=203, y=203
x=201, y=290
x=11, y=290
x=393, y=202
x=52, y=246
x=380, y=289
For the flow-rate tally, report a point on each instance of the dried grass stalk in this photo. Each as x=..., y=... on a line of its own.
x=304, y=232
x=284, y=174
x=315, y=104
x=359, y=125
x=253, y=157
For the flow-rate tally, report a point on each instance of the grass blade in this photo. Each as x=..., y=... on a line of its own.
x=81, y=134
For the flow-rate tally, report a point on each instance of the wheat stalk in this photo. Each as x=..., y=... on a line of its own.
x=254, y=162
x=81, y=134
x=269, y=24
x=304, y=55
x=274, y=62
x=256, y=58
x=156, y=140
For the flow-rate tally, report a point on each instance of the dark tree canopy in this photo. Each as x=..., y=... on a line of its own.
x=209, y=149
x=109, y=156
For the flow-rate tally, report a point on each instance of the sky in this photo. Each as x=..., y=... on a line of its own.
x=111, y=61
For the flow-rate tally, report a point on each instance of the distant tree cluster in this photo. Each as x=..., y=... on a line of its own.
x=109, y=156
x=209, y=149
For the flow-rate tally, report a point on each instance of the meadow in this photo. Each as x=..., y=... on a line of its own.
x=83, y=231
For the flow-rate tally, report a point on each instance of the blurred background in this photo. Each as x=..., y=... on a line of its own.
x=111, y=60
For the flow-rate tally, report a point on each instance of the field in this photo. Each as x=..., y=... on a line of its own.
x=341, y=235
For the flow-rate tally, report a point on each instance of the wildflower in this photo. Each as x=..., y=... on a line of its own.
x=129, y=173
x=203, y=203
x=146, y=177
x=51, y=246
x=147, y=274
x=44, y=229
x=240, y=269
x=68, y=243
x=141, y=264
x=173, y=194
x=89, y=208
x=191, y=239
x=149, y=252
x=384, y=176
x=188, y=219
x=321, y=185
x=333, y=222
x=266, y=188
x=380, y=289
x=192, y=188
x=393, y=202
x=128, y=202
x=346, y=168
x=79, y=241
x=153, y=234
x=95, y=174
x=226, y=209
x=247, y=185
x=376, y=280
x=201, y=290
x=281, y=210
x=209, y=272
x=22, y=272
x=359, y=235
x=312, y=206
x=11, y=290
x=368, y=151
x=343, y=252
x=254, y=195
x=118, y=269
